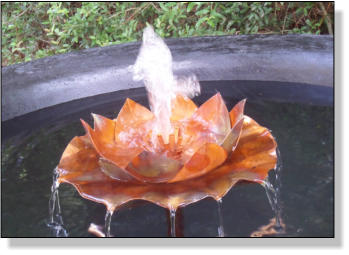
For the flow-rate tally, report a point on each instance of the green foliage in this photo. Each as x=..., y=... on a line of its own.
x=33, y=30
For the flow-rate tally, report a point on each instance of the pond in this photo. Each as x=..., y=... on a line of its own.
x=300, y=117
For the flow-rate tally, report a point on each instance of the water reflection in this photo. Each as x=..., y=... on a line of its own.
x=274, y=227
x=96, y=230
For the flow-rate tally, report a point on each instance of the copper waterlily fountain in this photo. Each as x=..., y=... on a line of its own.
x=204, y=153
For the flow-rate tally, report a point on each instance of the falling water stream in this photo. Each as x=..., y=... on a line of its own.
x=173, y=222
x=108, y=217
x=272, y=189
x=55, y=222
x=220, y=219
x=274, y=203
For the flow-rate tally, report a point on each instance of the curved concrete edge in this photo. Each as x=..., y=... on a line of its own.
x=53, y=80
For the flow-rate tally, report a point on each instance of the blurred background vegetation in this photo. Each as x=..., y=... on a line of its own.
x=32, y=30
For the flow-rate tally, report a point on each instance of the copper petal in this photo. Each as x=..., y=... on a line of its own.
x=237, y=112
x=105, y=145
x=231, y=140
x=182, y=108
x=255, y=152
x=132, y=124
x=104, y=128
x=79, y=162
x=236, y=119
x=152, y=167
x=208, y=157
x=114, y=171
x=209, y=124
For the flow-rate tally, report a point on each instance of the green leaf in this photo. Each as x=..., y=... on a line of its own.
x=163, y=6
x=190, y=6
x=305, y=12
x=200, y=21
x=230, y=23
x=217, y=15
x=211, y=23
x=202, y=12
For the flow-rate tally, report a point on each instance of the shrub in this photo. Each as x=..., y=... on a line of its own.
x=33, y=30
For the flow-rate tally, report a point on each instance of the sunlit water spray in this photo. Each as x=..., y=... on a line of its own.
x=154, y=67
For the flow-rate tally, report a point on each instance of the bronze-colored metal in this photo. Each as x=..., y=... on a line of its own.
x=209, y=151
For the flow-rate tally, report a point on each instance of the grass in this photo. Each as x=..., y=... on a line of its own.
x=32, y=30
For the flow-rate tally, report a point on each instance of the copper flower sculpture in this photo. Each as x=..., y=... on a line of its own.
x=172, y=156
x=209, y=151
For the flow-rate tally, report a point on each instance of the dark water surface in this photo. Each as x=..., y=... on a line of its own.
x=303, y=130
